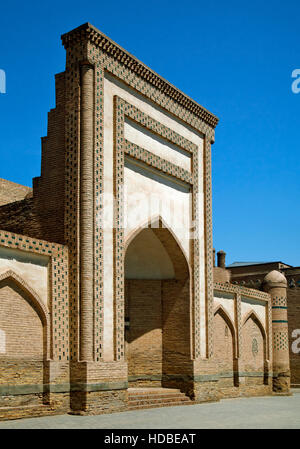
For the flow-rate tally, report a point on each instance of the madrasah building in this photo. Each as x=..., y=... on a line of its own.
x=109, y=298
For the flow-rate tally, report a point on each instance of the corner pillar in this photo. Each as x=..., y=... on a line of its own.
x=275, y=284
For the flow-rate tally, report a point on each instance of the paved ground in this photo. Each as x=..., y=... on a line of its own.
x=242, y=413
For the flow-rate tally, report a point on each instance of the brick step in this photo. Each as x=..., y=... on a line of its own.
x=22, y=411
x=157, y=401
x=141, y=398
x=158, y=396
x=153, y=390
x=159, y=405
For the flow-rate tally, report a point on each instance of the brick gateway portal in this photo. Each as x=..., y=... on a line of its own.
x=157, y=309
x=82, y=254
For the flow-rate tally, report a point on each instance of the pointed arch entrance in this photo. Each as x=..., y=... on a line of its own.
x=157, y=308
x=24, y=340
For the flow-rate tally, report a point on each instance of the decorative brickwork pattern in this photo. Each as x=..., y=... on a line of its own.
x=85, y=50
x=102, y=60
x=244, y=291
x=76, y=366
x=72, y=105
x=279, y=302
x=238, y=314
x=157, y=162
x=136, y=68
x=119, y=255
x=253, y=339
x=208, y=242
x=281, y=340
x=122, y=145
x=58, y=272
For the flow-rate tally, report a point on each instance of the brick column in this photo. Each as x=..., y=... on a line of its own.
x=275, y=283
x=221, y=255
x=86, y=212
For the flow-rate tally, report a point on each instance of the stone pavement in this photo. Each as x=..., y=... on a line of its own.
x=269, y=412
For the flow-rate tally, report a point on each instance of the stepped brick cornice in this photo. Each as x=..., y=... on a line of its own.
x=89, y=32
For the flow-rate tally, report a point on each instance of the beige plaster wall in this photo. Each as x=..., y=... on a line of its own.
x=226, y=300
x=33, y=268
x=247, y=305
x=138, y=182
x=148, y=195
x=259, y=307
x=145, y=139
x=146, y=258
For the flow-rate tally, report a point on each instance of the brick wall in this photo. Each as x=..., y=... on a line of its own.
x=252, y=350
x=11, y=192
x=21, y=324
x=39, y=212
x=21, y=344
x=21, y=217
x=294, y=323
x=223, y=345
x=176, y=328
x=221, y=275
x=158, y=339
x=49, y=188
x=144, y=336
x=252, y=276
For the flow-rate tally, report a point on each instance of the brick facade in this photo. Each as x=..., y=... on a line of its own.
x=11, y=192
x=253, y=275
x=98, y=332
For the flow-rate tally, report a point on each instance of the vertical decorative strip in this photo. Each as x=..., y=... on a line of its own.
x=86, y=213
x=208, y=242
x=72, y=110
x=98, y=212
x=118, y=229
x=270, y=332
x=196, y=256
x=238, y=323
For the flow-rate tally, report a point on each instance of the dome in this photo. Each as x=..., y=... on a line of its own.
x=275, y=277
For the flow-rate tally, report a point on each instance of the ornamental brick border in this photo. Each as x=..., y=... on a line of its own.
x=82, y=49
x=239, y=293
x=58, y=307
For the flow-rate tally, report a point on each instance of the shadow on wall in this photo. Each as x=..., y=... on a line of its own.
x=24, y=330
x=157, y=305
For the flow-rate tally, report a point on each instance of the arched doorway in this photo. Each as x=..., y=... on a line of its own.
x=253, y=358
x=157, y=309
x=24, y=327
x=224, y=349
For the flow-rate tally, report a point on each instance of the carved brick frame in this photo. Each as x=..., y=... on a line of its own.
x=81, y=51
x=58, y=306
x=239, y=292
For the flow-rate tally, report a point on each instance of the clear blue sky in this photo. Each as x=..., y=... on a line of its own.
x=233, y=57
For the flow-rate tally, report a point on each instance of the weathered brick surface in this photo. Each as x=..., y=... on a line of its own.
x=177, y=350
x=253, y=348
x=20, y=323
x=11, y=192
x=144, y=336
x=293, y=301
x=96, y=402
x=158, y=338
x=221, y=275
x=253, y=276
x=21, y=217
x=49, y=187
x=223, y=346
x=61, y=365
